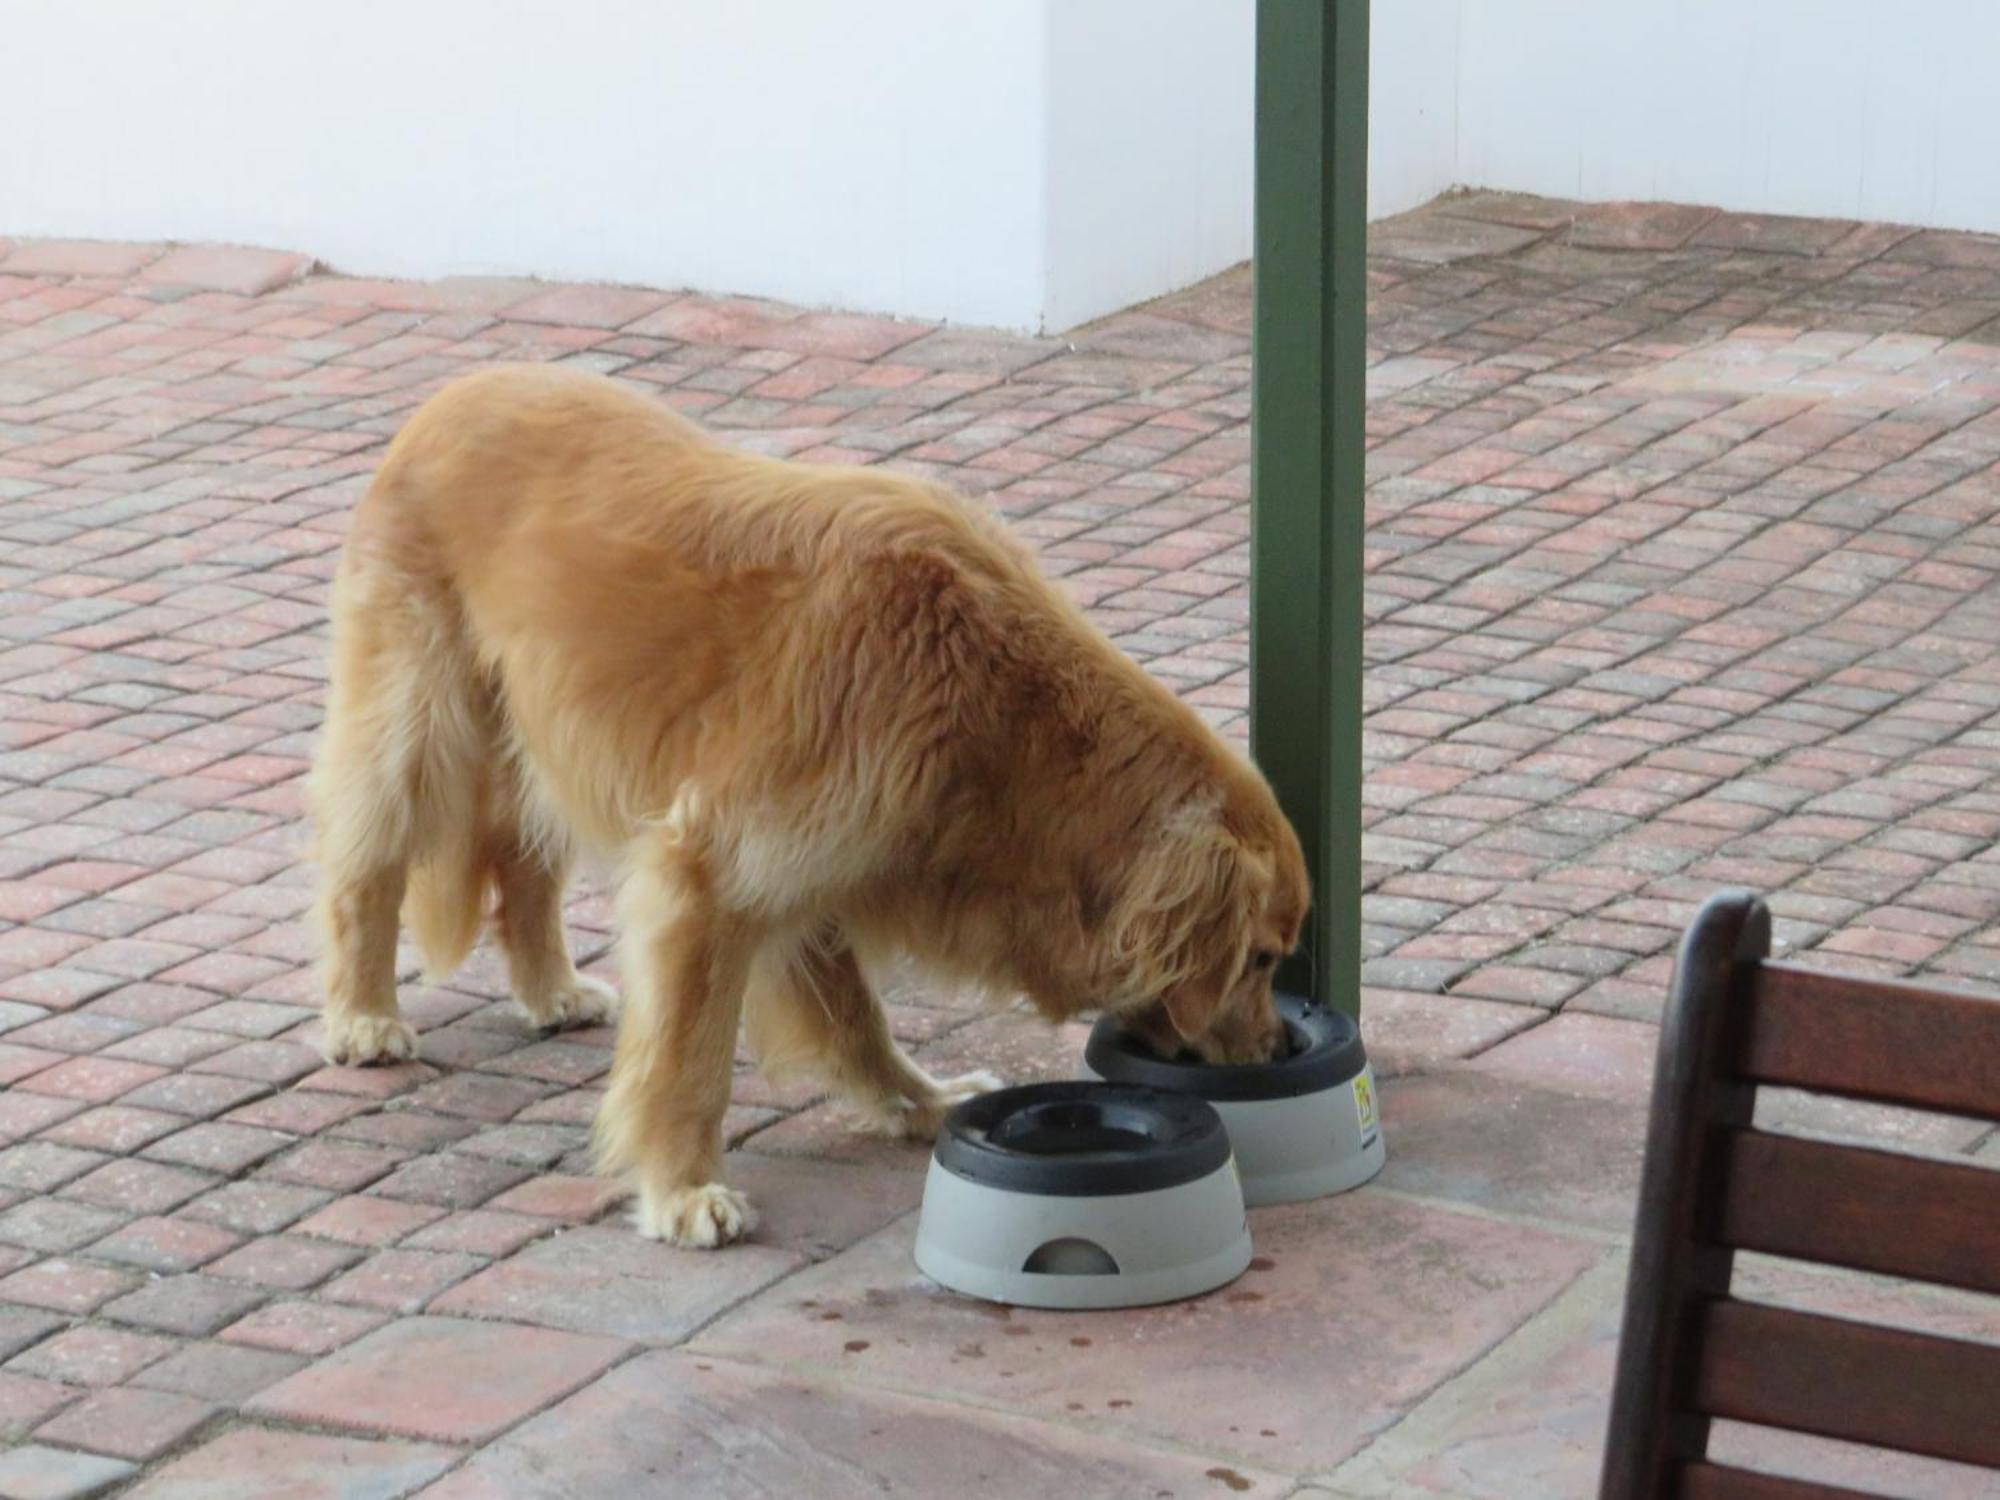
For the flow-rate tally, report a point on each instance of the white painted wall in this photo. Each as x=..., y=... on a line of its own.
x=1413, y=63
x=1017, y=162
x=867, y=155
x=1151, y=133
x=1836, y=108
x=1027, y=163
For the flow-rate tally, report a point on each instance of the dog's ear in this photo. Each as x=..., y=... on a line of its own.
x=1219, y=950
x=1180, y=927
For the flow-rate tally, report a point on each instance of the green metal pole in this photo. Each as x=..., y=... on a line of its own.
x=1306, y=459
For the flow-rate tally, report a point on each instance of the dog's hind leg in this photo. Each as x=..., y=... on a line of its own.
x=685, y=960
x=529, y=875
x=811, y=1005
x=397, y=774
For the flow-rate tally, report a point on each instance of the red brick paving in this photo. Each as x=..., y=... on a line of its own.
x=253, y=1464
x=34, y=1471
x=130, y=1422
x=705, y=1427
x=91, y=1355
x=1252, y=1374
x=1683, y=531
x=25, y=1403
x=444, y=1379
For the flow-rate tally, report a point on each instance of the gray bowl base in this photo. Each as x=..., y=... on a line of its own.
x=1118, y=1250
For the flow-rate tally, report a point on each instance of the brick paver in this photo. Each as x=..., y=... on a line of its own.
x=1683, y=536
x=129, y=1423
x=700, y=1427
x=34, y=1471
x=1250, y=1373
x=446, y=1379
x=252, y=1464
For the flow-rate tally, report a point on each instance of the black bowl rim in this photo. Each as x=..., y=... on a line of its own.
x=1332, y=1057
x=1200, y=1145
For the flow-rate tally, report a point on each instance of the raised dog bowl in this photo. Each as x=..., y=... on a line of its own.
x=1081, y=1194
x=1303, y=1125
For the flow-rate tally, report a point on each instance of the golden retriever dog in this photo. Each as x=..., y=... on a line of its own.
x=813, y=714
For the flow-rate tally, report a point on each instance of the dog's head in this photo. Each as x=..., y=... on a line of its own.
x=1213, y=899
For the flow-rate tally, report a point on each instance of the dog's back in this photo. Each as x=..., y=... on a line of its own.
x=502, y=466
x=564, y=611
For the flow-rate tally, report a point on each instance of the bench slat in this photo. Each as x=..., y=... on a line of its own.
x=1868, y=1039
x=1887, y=1387
x=1868, y=1210
x=1707, y=1481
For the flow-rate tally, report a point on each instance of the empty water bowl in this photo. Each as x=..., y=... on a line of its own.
x=1082, y=1194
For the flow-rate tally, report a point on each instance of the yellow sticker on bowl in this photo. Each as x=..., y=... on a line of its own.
x=1364, y=1102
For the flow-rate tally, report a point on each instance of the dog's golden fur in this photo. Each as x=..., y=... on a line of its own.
x=812, y=712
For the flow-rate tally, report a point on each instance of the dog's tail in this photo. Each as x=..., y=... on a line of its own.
x=445, y=904
x=454, y=881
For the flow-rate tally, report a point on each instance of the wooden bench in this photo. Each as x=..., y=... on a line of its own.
x=1713, y=1184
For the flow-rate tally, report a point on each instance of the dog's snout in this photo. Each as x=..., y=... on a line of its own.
x=1274, y=1033
x=1254, y=1033
x=1269, y=1034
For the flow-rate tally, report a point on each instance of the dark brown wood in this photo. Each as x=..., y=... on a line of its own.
x=1869, y=1210
x=1712, y=1184
x=1654, y=1423
x=1707, y=1481
x=1870, y=1039
x=1887, y=1387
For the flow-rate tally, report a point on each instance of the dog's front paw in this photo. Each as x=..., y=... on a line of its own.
x=696, y=1218
x=581, y=1001
x=922, y=1120
x=968, y=1086
x=363, y=1039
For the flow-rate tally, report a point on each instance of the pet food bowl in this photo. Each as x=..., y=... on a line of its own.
x=1303, y=1125
x=1081, y=1194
